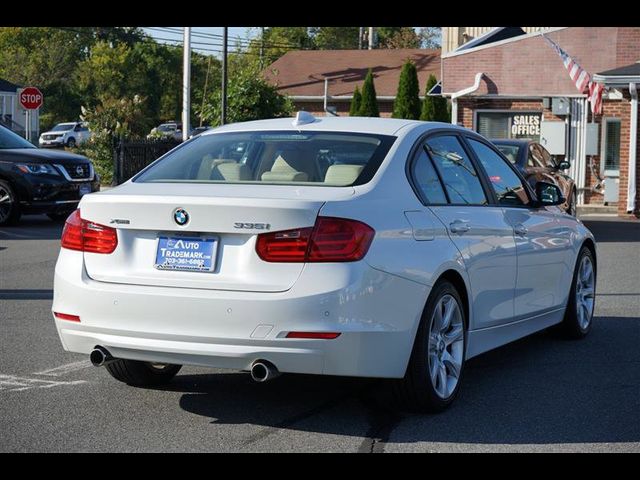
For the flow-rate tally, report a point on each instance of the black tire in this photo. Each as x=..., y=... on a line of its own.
x=141, y=374
x=9, y=207
x=415, y=392
x=59, y=217
x=571, y=325
x=71, y=142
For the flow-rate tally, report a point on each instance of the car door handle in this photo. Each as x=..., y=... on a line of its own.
x=459, y=226
x=520, y=229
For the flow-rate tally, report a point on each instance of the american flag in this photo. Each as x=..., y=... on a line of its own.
x=580, y=77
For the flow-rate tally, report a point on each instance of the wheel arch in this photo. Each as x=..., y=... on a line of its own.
x=455, y=278
x=590, y=244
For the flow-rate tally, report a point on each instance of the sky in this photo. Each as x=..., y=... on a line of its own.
x=207, y=44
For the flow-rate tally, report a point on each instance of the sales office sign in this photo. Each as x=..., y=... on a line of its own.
x=525, y=126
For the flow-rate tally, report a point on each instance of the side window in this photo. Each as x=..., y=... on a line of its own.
x=458, y=174
x=426, y=178
x=535, y=157
x=504, y=181
x=547, y=160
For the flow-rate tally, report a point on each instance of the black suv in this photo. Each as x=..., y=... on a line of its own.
x=34, y=180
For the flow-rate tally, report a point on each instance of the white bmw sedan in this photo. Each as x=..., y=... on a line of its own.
x=337, y=246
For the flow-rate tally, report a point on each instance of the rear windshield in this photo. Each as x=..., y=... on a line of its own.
x=282, y=157
x=63, y=127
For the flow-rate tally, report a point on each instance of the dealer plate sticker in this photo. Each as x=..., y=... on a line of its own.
x=193, y=254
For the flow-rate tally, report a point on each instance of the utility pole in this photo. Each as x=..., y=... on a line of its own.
x=224, y=76
x=370, y=38
x=262, y=48
x=360, y=35
x=186, y=85
x=204, y=93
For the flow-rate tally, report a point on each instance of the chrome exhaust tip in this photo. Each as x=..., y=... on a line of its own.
x=262, y=371
x=100, y=356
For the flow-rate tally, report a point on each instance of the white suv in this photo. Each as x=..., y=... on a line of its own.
x=65, y=134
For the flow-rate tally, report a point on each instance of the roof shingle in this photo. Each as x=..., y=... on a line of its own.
x=302, y=72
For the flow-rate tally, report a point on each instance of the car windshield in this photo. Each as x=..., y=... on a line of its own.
x=279, y=157
x=166, y=128
x=63, y=127
x=8, y=140
x=510, y=151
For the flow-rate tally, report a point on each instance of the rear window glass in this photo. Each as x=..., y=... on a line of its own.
x=281, y=157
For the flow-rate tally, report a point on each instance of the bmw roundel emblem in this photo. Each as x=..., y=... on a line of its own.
x=181, y=216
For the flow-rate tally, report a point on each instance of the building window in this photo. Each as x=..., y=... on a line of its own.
x=525, y=125
x=612, y=146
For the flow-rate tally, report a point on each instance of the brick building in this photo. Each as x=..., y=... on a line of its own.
x=301, y=75
x=519, y=88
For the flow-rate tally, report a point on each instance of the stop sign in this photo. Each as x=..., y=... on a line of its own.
x=30, y=98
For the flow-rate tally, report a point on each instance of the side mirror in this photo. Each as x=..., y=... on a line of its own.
x=564, y=165
x=549, y=194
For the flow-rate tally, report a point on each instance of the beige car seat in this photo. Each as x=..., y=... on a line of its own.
x=287, y=168
x=342, y=174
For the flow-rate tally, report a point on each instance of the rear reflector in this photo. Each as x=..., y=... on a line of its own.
x=329, y=240
x=315, y=335
x=85, y=236
x=66, y=316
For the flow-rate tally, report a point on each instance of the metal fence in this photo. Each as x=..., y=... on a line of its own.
x=131, y=156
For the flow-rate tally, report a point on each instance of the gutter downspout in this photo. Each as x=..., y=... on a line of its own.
x=633, y=154
x=326, y=97
x=461, y=93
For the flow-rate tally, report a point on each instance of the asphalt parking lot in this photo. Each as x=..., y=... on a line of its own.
x=541, y=393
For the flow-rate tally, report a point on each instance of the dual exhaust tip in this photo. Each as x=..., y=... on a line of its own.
x=261, y=370
x=100, y=356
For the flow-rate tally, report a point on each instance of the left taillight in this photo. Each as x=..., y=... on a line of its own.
x=87, y=236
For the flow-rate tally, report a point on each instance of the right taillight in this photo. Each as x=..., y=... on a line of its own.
x=86, y=236
x=329, y=240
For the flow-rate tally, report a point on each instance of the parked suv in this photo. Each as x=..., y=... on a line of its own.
x=169, y=129
x=65, y=135
x=538, y=165
x=35, y=180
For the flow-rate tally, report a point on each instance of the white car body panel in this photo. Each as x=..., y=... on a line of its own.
x=515, y=285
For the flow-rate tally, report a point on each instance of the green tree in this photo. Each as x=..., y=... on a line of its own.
x=249, y=95
x=434, y=109
x=111, y=119
x=398, y=37
x=356, y=101
x=332, y=38
x=276, y=41
x=369, y=103
x=407, y=102
x=46, y=58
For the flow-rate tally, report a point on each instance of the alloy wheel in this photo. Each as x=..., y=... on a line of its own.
x=446, y=346
x=6, y=204
x=585, y=292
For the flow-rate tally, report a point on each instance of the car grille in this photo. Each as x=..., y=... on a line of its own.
x=50, y=137
x=78, y=171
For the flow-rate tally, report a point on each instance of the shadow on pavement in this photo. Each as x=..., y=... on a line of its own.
x=32, y=227
x=614, y=229
x=539, y=390
x=26, y=294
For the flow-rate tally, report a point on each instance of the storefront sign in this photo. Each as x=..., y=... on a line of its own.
x=509, y=124
x=525, y=126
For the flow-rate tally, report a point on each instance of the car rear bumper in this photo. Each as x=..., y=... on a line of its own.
x=376, y=314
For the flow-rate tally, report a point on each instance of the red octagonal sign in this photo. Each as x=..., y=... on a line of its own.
x=30, y=98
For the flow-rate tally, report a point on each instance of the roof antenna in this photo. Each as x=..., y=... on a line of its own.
x=303, y=118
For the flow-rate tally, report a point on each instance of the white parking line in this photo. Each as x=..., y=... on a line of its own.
x=12, y=383
x=64, y=369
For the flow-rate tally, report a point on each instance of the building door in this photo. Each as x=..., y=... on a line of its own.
x=610, y=158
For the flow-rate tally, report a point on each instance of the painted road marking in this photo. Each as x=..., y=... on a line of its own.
x=12, y=383
x=64, y=369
